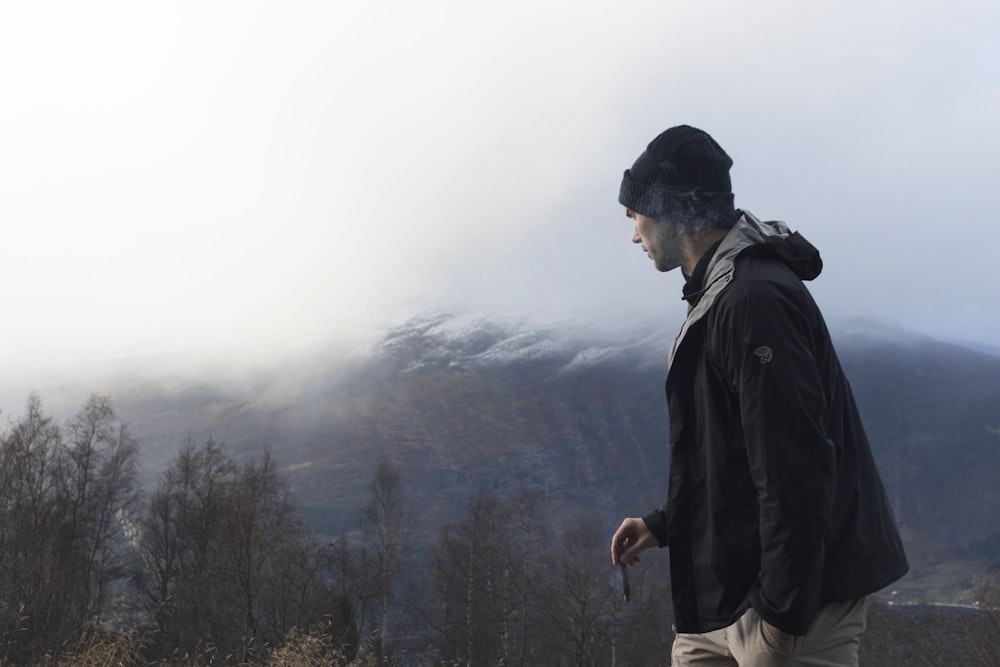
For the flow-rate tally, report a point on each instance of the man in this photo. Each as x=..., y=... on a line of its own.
x=776, y=519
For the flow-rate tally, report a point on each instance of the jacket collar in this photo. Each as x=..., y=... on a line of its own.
x=748, y=231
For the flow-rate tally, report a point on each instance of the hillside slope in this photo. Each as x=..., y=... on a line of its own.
x=463, y=405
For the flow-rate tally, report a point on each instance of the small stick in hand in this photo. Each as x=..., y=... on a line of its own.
x=621, y=563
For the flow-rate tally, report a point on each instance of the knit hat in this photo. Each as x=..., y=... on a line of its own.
x=683, y=165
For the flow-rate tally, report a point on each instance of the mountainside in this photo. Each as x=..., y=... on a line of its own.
x=460, y=407
x=463, y=405
x=932, y=412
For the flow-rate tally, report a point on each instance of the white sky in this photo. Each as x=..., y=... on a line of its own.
x=239, y=179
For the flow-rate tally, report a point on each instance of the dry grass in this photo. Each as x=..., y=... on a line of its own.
x=129, y=649
x=912, y=635
x=123, y=649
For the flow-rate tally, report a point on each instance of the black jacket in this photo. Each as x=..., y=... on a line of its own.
x=774, y=499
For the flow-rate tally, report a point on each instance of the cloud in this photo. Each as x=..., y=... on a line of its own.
x=239, y=178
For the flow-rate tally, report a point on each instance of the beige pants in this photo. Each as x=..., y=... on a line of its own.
x=832, y=641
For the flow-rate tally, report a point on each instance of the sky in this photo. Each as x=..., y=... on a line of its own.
x=237, y=180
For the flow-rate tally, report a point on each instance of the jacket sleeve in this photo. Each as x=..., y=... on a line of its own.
x=656, y=521
x=768, y=346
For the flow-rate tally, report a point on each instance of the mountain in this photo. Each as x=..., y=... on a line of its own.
x=463, y=404
x=932, y=412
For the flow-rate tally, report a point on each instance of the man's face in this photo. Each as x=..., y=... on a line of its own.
x=660, y=240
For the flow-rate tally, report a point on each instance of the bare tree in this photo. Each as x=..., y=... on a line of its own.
x=30, y=524
x=473, y=579
x=582, y=599
x=63, y=540
x=183, y=582
x=528, y=512
x=228, y=566
x=385, y=524
x=642, y=628
x=261, y=533
x=347, y=584
x=101, y=499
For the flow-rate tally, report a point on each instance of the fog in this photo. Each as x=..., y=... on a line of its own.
x=228, y=183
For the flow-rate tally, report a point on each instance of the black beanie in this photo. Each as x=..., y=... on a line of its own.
x=682, y=165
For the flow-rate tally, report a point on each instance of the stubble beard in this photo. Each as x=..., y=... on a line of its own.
x=670, y=255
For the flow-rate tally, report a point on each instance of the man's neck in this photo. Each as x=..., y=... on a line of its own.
x=695, y=245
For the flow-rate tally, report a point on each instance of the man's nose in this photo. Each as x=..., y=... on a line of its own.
x=635, y=236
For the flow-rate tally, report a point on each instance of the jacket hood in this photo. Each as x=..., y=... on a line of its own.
x=751, y=236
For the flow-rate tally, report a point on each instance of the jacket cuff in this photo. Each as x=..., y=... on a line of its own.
x=657, y=524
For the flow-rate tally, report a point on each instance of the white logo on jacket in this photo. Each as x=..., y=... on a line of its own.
x=764, y=353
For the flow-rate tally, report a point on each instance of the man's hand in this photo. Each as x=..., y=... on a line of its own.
x=634, y=536
x=785, y=640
